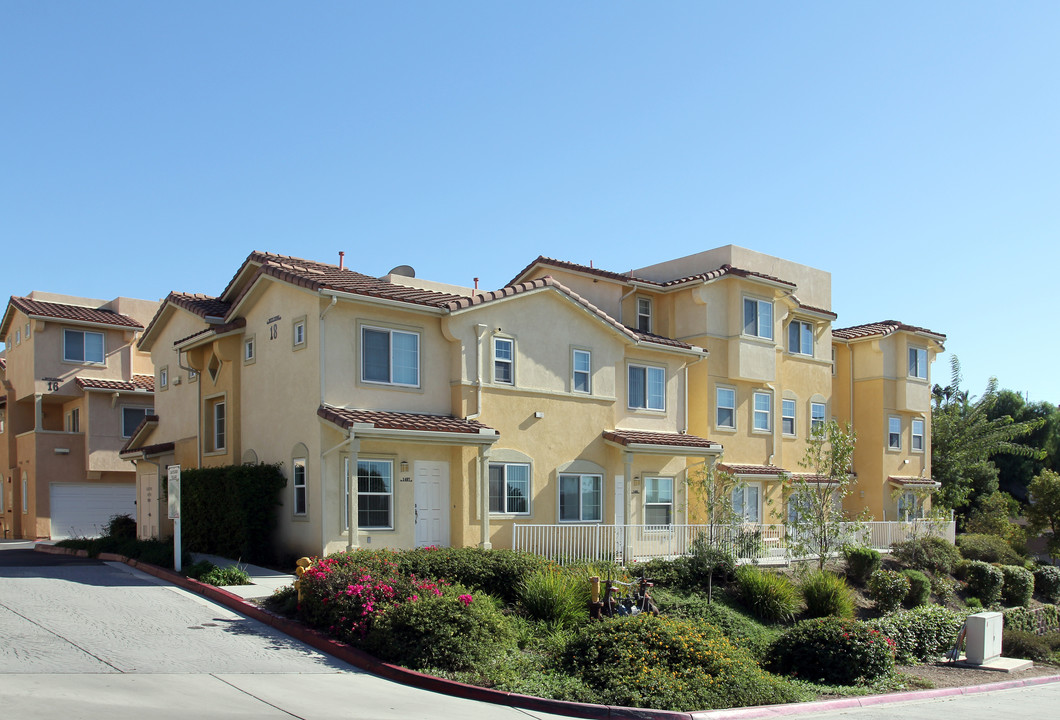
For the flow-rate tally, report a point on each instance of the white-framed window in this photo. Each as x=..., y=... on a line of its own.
x=894, y=432
x=909, y=506
x=725, y=407
x=83, y=346
x=758, y=318
x=215, y=419
x=18, y=336
x=647, y=387
x=918, y=435
x=747, y=502
x=375, y=494
x=658, y=501
x=390, y=356
x=248, y=349
x=163, y=377
x=644, y=314
x=763, y=412
x=73, y=421
x=26, y=335
x=582, y=371
x=816, y=416
x=510, y=488
x=918, y=363
x=298, y=483
x=504, y=360
x=298, y=333
x=581, y=498
x=833, y=360
x=131, y=417
x=787, y=416
x=800, y=337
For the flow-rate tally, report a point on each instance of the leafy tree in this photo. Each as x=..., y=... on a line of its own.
x=710, y=492
x=1016, y=472
x=1044, y=509
x=963, y=439
x=816, y=521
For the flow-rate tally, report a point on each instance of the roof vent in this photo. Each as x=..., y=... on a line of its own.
x=403, y=271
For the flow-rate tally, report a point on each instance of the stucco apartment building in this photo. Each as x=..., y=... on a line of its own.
x=75, y=387
x=574, y=396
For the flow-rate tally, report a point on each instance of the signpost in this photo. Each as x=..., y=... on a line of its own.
x=174, y=511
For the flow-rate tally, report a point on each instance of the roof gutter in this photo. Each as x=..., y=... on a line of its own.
x=384, y=302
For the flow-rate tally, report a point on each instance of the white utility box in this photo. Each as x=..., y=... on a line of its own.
x=983, y=640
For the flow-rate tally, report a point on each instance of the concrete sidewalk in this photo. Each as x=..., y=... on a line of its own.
x=264, y=582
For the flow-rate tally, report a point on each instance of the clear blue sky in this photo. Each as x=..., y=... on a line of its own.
x=912, y=149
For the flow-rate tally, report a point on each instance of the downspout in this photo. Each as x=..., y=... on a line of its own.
x=323, y=493
x=480, y=331
x=198, y=412
x=349, y=435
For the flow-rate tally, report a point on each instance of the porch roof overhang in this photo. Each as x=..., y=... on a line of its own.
x=657, y=443
x=134, y=448
x=755, y=470
x=408, y=427
x=914, y=482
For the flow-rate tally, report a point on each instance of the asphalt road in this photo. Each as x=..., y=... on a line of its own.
x=85, y=639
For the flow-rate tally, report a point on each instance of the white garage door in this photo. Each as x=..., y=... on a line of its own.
x=83, y=509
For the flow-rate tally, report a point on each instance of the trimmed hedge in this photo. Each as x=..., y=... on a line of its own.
x=919, y=588
x=922, y=633
x=1047, y=583
x=1019, y=585
x=930, y=553
x=500, y=573
x=231, y=510
x=861, y=562
x=988, y=548
x=833, y=651
x=888, y=589
x=984, y=581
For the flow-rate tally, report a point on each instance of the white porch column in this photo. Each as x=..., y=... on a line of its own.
x=483, y=470
x=351, y=494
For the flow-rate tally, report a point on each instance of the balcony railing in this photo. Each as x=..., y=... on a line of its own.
x=748, y=542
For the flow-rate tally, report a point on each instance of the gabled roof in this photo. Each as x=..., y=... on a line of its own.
x=77, y=314
x=132, y=449
x=213, y=330
x=209, y=308
x=549, y=282
x=139, y=383
x=634, y=438
x=416, y=422
x=324, y=276
x=882, y=329
x=628, y=278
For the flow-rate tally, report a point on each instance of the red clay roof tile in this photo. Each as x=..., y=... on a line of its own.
x=880, y=329
x=753, y=469
x=139, y=382
x=641, y=437
x=76, y=313
x=386, y=420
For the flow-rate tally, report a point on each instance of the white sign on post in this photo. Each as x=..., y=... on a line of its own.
x=173, y=477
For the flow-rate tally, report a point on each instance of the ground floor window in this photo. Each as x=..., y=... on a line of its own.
x=375, y=493
x=747, y=502
x=510, y=488
x=658, y=501
x=581, y=498
x=909, y=506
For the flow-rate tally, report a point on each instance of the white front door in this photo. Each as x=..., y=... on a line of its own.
x=431, y=495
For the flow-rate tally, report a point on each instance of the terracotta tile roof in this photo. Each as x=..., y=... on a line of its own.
x=549, y=281
x=77, y=313
x=880, y=329
x=139, y=382
x=386, y=420
x=630, y=277
x=214, y=330
x=204, y=306
x=913, y=481
x=640, y=437
x=323, y=276
x=753, y=469
x=821, y=311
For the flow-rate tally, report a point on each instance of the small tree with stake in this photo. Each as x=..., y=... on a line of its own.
x=710, y=490
x=816, y=523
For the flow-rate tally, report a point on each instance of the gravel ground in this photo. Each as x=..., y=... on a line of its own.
x=943, y=675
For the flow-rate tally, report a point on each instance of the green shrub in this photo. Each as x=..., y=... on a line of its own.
x=922, y=633
x=832, y=651
x=1028, y=645
x=205, y=571
x=670, y=664
x=154, y=552
x=231, y=510
x=497, y=572
x=973, y=603
x=1047, y=583
x=743, y=631
x=451, y=631
x=1018, y=585
x=861, y=562
x=555, y=596
x=919, y=588
x=284, y=601
x=688, y=573
x=826, y=594
x=122, y=527
x=1043, y=619
x=930, y=553
x=888, y=589
x=984, y=581
x=944, y=588
x=769, y=596
x=988, y=548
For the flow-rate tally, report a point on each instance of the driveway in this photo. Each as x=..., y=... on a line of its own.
x=86, y=639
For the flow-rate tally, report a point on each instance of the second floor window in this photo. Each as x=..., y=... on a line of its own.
x=726, y=406
x=644, y=314
x=816, y=416
x=82, y=346
x=787, y=417
x=800, y=337
x=131, y=417
x=504, y=360
x=217, y=429
x=390, y=356
x=583, y=369
x=73, y=421
x=647, y=388
x=758, y=318
x=763, y=411
x=894, y=432
x=918, y=363
x=918, y=434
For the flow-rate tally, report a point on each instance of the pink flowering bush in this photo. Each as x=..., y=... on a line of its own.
x=451, y=631
x=832, y=651
x=346, y=593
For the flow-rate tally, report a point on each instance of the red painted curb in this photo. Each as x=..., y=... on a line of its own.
x=364, y=661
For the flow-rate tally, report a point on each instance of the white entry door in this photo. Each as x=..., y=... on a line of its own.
x=431, y=495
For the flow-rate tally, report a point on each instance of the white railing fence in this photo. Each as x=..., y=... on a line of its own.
x=749, y=542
